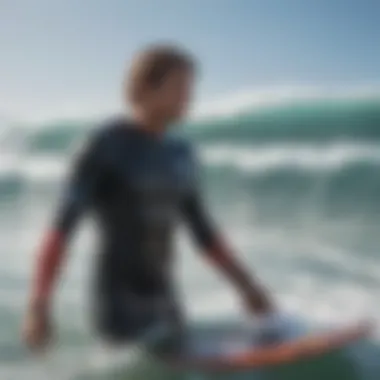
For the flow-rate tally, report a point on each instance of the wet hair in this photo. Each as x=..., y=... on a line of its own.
x=151, y=67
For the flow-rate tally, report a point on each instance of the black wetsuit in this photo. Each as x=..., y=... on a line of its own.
x=139, y=187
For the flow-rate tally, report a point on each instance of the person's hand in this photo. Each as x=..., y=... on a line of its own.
x=264, y=316
x=36, y=331
x=258, y=302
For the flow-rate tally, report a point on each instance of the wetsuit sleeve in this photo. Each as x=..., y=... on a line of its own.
x=86, y=174
x=199, y=221
x=196, y=215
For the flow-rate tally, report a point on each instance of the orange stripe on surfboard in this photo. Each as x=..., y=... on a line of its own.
x=312, y=345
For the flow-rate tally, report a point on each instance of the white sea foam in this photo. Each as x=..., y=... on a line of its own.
x=252, y=159
x=276, y=156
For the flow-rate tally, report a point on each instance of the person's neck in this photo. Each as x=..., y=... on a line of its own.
x=149, y=123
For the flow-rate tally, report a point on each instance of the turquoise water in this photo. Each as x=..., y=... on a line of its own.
x=295, y=187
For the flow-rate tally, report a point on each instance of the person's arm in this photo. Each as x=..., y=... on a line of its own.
x=216, y=249
x=86, y=174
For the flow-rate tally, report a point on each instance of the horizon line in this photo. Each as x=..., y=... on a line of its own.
x=259, y=98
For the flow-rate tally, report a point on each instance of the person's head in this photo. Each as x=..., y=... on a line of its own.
x=160, y=82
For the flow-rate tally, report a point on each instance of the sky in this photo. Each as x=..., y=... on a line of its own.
x=62, y=57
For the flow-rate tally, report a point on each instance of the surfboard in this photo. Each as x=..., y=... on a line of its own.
x=232, y=349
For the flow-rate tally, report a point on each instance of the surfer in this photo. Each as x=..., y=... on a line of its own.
x=139, y=183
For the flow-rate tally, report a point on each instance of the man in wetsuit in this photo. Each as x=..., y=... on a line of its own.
x=139, y=183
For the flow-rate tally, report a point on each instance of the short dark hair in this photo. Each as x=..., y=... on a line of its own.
x=151, y=66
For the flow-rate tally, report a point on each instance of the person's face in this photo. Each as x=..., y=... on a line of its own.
x=172, y=99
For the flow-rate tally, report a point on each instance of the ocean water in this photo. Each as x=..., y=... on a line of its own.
x=296, y=188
